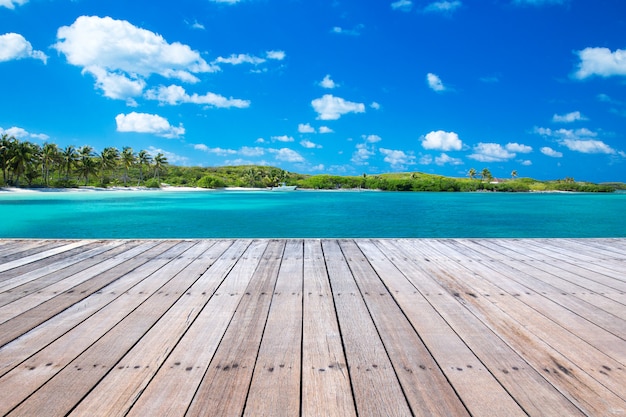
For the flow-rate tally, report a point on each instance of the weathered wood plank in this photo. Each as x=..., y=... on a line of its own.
x=374, y=382
x=173, y=387
x=326, y=387
x=56, y=249
x=275, y=388
x=426, y=388
x=225, y=385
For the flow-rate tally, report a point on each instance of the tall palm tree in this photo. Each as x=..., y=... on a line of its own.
x=128, y=160
x=7, y=144
x=485, y=174
x=50, y=155
x=144, y=159
x=159, y=163
x=108, y=161
x=23, y=157
x=68, y=159
x=472, y=173
x=87, y=164
x=514, y=174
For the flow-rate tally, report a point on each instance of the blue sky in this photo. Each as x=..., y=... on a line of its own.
x=330, y=86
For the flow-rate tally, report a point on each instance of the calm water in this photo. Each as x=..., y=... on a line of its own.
x=229, y=214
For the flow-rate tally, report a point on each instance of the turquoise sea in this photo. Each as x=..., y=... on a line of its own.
x=264, y=214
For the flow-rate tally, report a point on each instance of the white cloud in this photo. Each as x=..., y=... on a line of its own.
x=240, y=59
x=440, y=140
x=216, y=151
x=121, y=56
x=329, y=107
x=587, y=146
x=568, y=118
x=444, y=159
x=327, y=82
x=551, y=152
x=287, y=155
x=561, y=134
x=248, y=151
x=403, y=5
x=174, y=95
x=225, y=1
x=435, y=83
x=23, y=134
x=526, y=163
x=362, y=154
x=325, y=129
x=443, y=6
x=397, y=159
x=14, y=46
x=309, y=145
x=518, y=148
x=375, y=105
x=601, y=62
x=305, y=128
x=490, y=152
x=172, y=158
x=275, y=55
x=371, y=138
x=10, y=4
x=283, y=138
x=147, y=123
x=196, y=25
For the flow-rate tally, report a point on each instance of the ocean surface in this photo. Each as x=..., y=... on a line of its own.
x=309, y=214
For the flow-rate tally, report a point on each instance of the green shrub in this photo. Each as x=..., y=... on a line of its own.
x=209, y=181
x=152, y=183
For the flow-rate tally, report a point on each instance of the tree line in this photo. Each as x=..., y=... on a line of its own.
x=28, y=163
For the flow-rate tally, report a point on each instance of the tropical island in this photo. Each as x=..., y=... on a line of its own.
x=27, y=164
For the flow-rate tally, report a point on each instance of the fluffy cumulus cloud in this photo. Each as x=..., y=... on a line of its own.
x=327, y=82
x=546, y=150
x=10, y=4
x=325, y=129
x=445, y=159
x=283, y=138
x=22, y=134
x=587, y=146
x=121, y=56
x=518, y=148
x=287, y=155
x=443, y=141
x=329, y=107
x=371, y=138
x=397, y=159
x=238, y=59
x=362, y=154
x=305, y=128
x=568, y=117
x=309, y=145
x=175, y=94
x=147, y=123
x=172, y=158
x=14, y=46
x=600, y=62
x=435, y=83
x=491, y=152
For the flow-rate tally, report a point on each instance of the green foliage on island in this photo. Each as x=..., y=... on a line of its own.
x=29, y=164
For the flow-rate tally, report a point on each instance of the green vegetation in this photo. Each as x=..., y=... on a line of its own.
x=25, y=163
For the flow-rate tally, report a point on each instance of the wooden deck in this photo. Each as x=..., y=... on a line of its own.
x=370, y=327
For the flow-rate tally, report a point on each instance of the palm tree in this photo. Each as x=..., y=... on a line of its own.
x=472, y=173
x=143, y=158
x=514, y=174
x=49, y=157
x=87, y=164
x=159, y=162
x=24, y=155
x=108, y=161
x=68, y=160
x=128, y=159
x=7, y=144
x=485, y=174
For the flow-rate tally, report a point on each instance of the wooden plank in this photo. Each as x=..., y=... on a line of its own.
x=18, y=318
x=427, y=390
x=225, y=385
x=375, y=385
x=481, y=392
x=63, y=247
x=527, y=386
x=33, y=281
x=117, y=391
x=26, y=345
x=566, y=361
x=275, y=387
x=326, y=387
x=173, y=387
x=30, y=247
x=25, y=379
